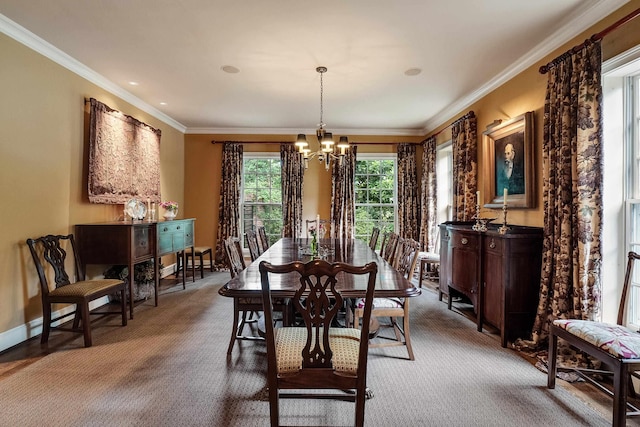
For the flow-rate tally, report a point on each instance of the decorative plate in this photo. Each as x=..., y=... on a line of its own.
x=135, y=209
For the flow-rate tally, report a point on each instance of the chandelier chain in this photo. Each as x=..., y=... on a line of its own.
x=321, y=101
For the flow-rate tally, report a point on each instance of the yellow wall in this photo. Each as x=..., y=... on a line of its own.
x=43, y=143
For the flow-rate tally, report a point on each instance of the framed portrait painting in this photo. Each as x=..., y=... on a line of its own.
x=508, y=163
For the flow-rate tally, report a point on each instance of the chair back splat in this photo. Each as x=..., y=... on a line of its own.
x=373, y=241
x=616, y=346
x=263, y=239
x=317, y=356
x=252, y=242
x=70, y=288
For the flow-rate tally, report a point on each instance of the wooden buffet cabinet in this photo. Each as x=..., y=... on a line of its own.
x=131, y=242
x=498, y=273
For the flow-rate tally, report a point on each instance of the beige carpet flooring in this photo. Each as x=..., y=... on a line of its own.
x=168, y=367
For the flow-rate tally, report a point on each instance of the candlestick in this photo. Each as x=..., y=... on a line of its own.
x=503, y=228
x=504, y=197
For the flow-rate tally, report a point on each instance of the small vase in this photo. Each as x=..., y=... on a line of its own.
x=169, y=215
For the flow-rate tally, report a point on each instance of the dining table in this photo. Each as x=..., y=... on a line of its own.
x=389, y=282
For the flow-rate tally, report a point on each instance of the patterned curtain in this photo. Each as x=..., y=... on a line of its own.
x=465, y=167
x=343, y=201
x=229, y=213
x=408, y=213
x=572, y=190
x=292, y=178
x=428, y=197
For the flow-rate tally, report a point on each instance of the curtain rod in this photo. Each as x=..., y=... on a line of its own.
x=287, y=142
x=594, y=38
x=469, y=115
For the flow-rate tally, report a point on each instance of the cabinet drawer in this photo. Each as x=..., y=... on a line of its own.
x=493, y=244
x=142, y=242
x=465, y=240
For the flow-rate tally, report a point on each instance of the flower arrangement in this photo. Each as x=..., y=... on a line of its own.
x=170, y=206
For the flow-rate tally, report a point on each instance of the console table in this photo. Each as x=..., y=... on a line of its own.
x=131, y=242
x=498, y=273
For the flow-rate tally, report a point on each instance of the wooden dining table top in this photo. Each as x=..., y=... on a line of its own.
x=389, y=282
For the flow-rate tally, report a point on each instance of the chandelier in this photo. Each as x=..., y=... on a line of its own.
x=326, y=146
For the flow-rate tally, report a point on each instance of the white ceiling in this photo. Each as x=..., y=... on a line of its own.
x=175, y=50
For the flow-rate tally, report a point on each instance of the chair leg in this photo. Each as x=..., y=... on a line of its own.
x=210, y=260
x=620, y=374
x=407, y=335
x=201, y=265
x=551, y=359
x=123, y=306
x=234, y=327
x=46, y=323
x=274, y=406
x=360, y=400
x=86, y=324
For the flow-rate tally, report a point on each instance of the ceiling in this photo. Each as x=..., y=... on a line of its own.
x=175, y=50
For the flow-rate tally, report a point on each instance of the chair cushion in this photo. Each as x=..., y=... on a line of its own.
x=618, y=340
x=199, y=250
x=344, y=342
x=382, y=303
x=84, y=288
x=429, y=256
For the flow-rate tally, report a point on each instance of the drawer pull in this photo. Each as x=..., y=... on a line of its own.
x=178, y=228
x=165, y=229
x=492, y=245
x=464, y=240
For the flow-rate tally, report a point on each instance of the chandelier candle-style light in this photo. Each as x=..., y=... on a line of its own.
x=326, y=146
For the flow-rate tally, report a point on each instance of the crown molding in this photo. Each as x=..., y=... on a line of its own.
x=571, y=28
x=295, y=131
x=32, y=41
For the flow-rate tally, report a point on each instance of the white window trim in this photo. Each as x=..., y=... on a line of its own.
x=386, y=156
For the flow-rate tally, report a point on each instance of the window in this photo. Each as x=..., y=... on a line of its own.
x=444, y=178
x=261, y=198
x=375, y=193
x=621, y=193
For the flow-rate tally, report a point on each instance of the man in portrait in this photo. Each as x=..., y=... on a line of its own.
x=510, y=168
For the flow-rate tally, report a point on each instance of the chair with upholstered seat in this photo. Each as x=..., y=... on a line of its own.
x=263, y=239
x=246, y=310
x=430, y=265
x=373, y=240
x=200, y=252
x=317, y=356
x=616, y=346
x=251, y=238
x=52, y=251
x=394, y=308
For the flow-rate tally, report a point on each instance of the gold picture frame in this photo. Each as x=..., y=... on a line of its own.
x=508, y=163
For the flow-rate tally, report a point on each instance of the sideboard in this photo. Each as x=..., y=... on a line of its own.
x=498, y=273
x=131, y=242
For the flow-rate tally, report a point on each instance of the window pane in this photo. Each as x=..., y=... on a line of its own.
x=262, y=200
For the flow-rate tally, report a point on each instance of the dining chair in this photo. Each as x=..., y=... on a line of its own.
x=199, y=252
x=373, y=240
x=616, y=346
x=388, y=252
x=252, y=243
x=394, y=308
x=317, y=356
x=51, y=252
x=311, y=223
x=263, y=239
x=247, y=310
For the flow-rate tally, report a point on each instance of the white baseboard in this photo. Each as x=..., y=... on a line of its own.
x=33, y=328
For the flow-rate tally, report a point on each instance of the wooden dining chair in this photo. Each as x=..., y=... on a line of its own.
x=373, y=240
x=252, y=243
x=247, y=310
x=394, y=308
x=317, y=356
x=616, y=346
x=310, y=223
x=388, y=252
x=70, y=288
x=263, y=239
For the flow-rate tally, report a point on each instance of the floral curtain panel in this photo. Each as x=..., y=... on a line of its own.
x=408, y=212
x=465, y=167
x=229, y=213
x=343, y=202
x=292, y=180
x=428, y=197
x=572, y=190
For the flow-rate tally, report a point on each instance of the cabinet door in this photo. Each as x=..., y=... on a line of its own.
x=445, y=265
x=463, y=256
x=142, y=247
x=492, y=269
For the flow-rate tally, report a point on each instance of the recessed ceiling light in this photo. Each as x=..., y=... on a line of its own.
x=412, y=72
x=163, y=103
x=133, y=83
x=230, y=69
